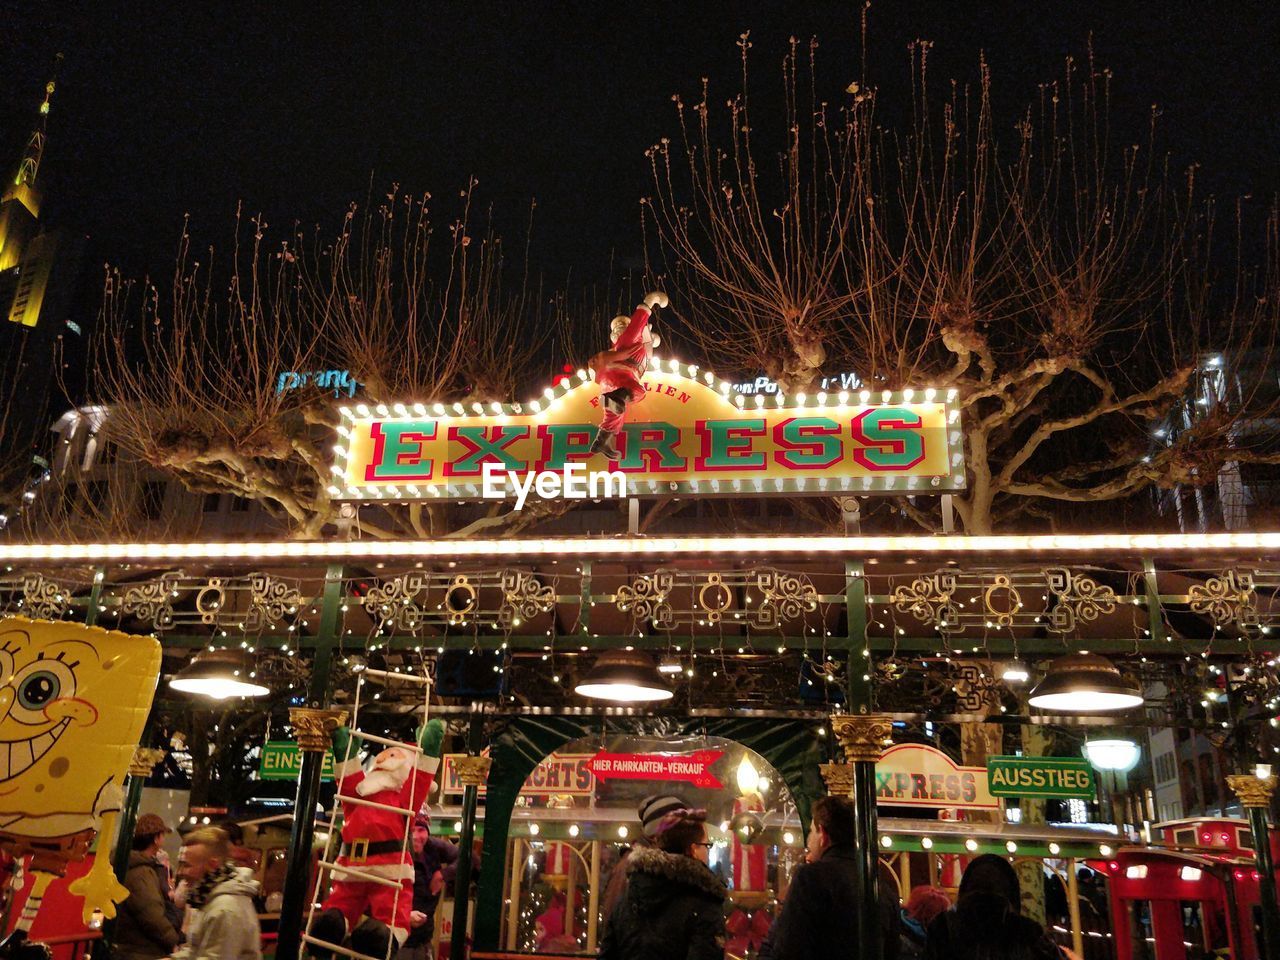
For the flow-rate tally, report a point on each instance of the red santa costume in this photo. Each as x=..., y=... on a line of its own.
x=373, y=839
x=618, y=371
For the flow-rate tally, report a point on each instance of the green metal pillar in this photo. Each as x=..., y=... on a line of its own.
x=862, y=735
x=312, y=726
x=1255, y=794
x=473, y=773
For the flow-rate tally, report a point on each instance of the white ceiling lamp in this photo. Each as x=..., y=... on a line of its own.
x=219, y=675
x=1084, y=683
x=624, y=676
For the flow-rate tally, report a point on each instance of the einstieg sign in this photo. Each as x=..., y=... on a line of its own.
x=692, y=434
x=282, y=760
x=1059, y=778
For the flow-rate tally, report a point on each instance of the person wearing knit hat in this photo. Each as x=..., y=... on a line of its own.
x=653, y=808
x=148, y=923
x=673, y=908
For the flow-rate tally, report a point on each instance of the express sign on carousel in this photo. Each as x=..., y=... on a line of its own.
x=691, y=434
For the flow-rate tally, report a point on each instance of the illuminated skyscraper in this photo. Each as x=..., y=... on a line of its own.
x=38, y=270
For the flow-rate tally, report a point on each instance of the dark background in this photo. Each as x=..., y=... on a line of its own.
x=296, y=109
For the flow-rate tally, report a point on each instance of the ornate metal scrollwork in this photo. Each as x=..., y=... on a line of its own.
x=1080, y=598
x=645, y=598
x=152, y=601
x=763, y=598
x=524, y=596
x=975, y=686
x=404, y=603
x=251, y=603
x=1229, y=599
x=994, y=599
x=43, y=598
x=395, y=604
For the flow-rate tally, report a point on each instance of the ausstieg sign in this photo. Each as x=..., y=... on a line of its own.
x=692, y=434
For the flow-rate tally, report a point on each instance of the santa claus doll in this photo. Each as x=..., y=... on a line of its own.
x=383, y=797
x=618, y=371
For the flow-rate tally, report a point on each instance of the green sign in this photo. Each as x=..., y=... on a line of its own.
x=1058, y=778
x=282, y=760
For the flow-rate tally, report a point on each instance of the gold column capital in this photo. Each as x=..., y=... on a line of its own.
x=313, y=727
x=472, y=771
x=144, y=761
x=863, y=736
x=838, y=777
x=1254, y=792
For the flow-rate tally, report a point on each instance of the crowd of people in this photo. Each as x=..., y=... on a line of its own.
x=665, y=903
x=207, y=909
x=206, y=912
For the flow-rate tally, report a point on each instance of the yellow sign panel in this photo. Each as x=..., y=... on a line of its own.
x=915, y=775
x=692, y=434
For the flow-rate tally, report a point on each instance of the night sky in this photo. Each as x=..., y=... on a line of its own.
x=293, y=107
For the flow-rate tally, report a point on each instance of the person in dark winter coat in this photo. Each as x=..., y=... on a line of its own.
x=430, y=856
x=148, y=922
x=985, y=923
x=673, y=907
x=821, y=909
x=650, y=811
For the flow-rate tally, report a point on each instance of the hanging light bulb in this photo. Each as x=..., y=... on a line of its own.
x=669, y=665
x=1015, y=671
x=1083, y=683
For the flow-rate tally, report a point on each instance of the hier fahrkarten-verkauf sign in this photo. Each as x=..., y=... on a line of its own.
x=692, y=434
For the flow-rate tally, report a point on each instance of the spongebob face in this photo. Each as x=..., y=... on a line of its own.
x=73, y=702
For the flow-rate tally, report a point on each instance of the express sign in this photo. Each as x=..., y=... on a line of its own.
x=692, y=434
x=914, y=775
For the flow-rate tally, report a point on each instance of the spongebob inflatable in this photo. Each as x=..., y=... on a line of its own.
x=73, y=702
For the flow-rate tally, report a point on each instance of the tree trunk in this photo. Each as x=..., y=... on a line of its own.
x=977, y=742
x=1031, y=872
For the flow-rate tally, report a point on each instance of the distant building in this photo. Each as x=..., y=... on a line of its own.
x=1244, y=495
x=39, y=269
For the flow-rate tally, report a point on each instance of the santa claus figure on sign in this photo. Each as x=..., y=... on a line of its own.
x=376, y=806
x=618, y=371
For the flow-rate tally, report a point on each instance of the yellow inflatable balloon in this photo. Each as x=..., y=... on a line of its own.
x=73, y=703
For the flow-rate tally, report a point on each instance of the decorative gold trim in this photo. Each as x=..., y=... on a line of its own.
x=313, y=728
x=144, y=761
x=1252, y=791
x=863, y=737
x=472, y=771
x=838, y=777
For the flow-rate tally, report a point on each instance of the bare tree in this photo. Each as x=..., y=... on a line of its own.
x=193, y=374
x=1067, y=284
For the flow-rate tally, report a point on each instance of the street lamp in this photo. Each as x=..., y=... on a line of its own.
x=1118, y=757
